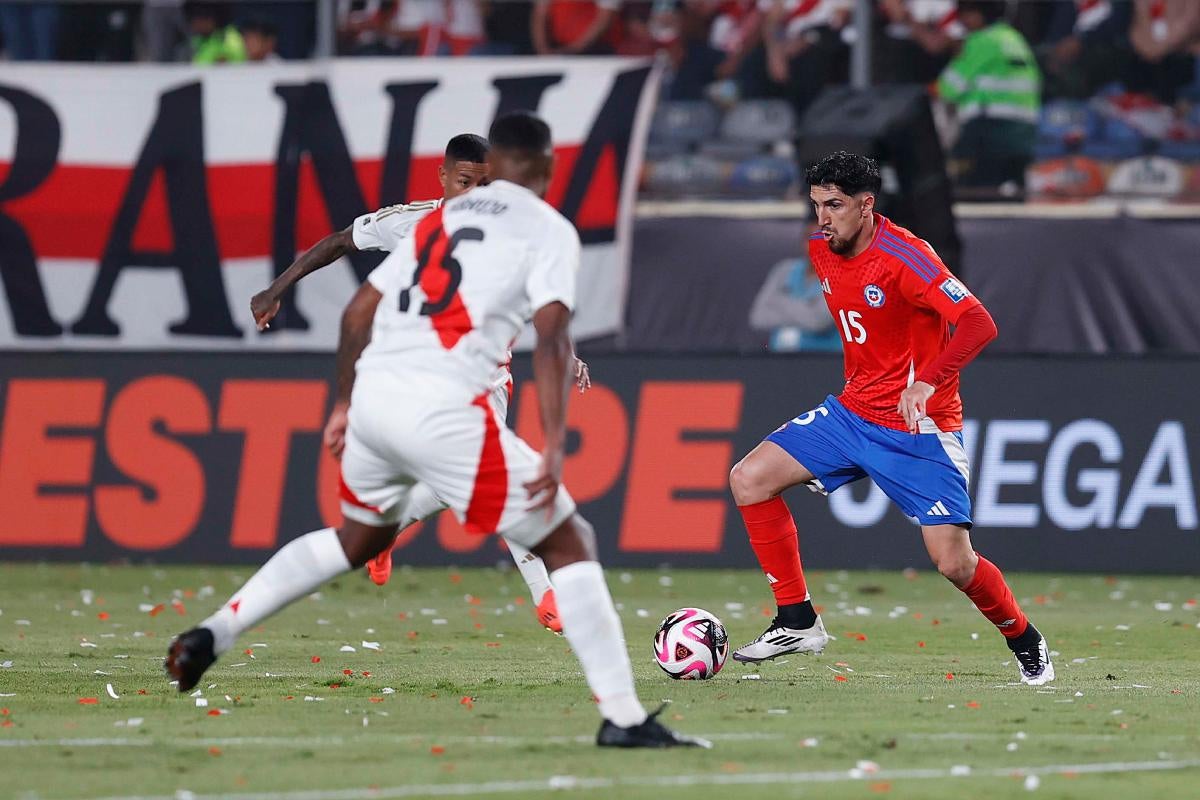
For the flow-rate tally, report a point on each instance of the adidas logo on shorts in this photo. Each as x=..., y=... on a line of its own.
x=938, y=510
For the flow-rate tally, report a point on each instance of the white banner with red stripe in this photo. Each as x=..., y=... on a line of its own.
x=142, y=206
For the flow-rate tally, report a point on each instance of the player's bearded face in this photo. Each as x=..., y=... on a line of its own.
x=840, y=217
x=458, y=177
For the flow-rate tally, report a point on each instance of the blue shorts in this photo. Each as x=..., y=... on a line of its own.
x=925, y=474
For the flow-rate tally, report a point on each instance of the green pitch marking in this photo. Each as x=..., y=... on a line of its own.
x=453, y=690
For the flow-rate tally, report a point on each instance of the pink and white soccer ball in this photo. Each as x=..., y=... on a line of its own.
x=691, y=644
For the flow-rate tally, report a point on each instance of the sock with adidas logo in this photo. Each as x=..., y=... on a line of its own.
x=991, y=595
x=773, y=538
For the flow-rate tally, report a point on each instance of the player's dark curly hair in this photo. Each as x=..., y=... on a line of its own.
x=467, y=147
x=849, y=172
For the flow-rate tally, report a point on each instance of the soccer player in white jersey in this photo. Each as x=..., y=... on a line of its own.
x=431, y=324
x=463, y=168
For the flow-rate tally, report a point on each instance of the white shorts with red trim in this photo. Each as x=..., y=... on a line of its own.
x=403, y=433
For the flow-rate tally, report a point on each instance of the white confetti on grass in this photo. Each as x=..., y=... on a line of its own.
x=371, y=645
x=201, y=702
x=347, y=649
x=111, y=692
x=1032, y=782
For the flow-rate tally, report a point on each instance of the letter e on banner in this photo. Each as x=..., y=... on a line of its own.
x=32, y=459
x=664, y=463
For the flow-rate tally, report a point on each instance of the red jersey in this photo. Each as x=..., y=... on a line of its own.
x=894, y=304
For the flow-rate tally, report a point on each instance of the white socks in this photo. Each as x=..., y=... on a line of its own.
x=300, y=566
x=533, y=570
x=593, y=628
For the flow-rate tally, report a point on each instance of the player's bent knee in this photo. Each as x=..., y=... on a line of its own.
x=746, y=482
x=959, y=569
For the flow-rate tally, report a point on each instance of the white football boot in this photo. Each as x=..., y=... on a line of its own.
x=779, y=640
x=1034, y=664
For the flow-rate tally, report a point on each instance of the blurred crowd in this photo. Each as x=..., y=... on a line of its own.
x=998, y=66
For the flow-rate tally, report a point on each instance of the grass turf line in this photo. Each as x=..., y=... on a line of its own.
x=483, y=696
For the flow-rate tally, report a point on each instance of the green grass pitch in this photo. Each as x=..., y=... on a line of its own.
x=441, y=684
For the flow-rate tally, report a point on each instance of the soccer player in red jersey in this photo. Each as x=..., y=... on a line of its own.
x=898, y=419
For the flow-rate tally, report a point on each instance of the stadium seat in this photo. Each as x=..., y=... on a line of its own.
x=1060, y=118
x=1049, y=148
x=685, y=176
x=1115, y=141
x=759, y=121
x=730, y=151
x=684, y=122
x=763, y=176
x=1182, y=151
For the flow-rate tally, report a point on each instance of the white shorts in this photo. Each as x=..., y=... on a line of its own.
x=405, y=432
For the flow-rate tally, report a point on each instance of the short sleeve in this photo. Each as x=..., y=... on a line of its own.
x=555, y=265
x=927, y=283
x=386, y=228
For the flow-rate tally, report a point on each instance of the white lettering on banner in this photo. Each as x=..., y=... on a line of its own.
x=995, y=472
x=1168, y=449
x=1163, y=478
x=1104, y=484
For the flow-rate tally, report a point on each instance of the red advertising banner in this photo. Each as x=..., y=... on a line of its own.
x=217, y=458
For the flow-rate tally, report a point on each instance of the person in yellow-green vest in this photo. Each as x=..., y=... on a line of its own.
x=213, y=40
x=995, y=85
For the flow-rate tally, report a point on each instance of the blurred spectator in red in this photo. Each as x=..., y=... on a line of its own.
x=29, y=31
x=637, y=35
x=412, y=29
x=735, y=30
x=439, y=27
x=260, y=38
x=361, y=27
x=917, y=39
x=1161, y=34
x=575, y=27
x=1084, y=46
x=804, y=46
x=680, y=31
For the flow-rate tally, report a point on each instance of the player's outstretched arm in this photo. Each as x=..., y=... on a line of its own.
x=265, y=305
x=551, y=356
x=355, y=334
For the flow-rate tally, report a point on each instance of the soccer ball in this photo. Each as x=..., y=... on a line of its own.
x=691, y=644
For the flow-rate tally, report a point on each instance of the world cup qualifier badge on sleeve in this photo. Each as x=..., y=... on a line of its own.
x=955, y=290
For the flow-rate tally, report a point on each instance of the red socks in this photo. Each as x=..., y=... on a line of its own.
x=773, y=538
x=992, y=597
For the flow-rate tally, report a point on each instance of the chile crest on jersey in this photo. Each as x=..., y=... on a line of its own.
x=874, y=295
